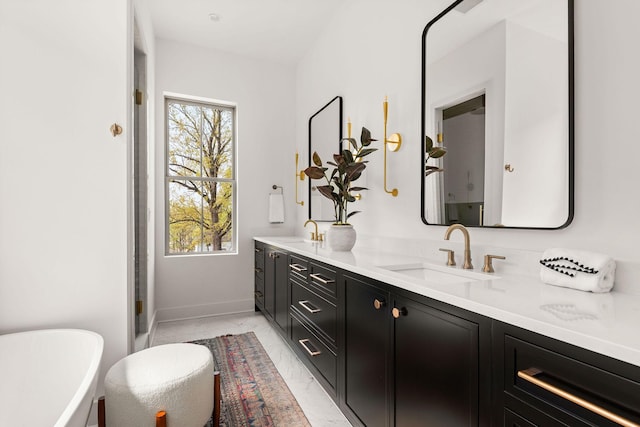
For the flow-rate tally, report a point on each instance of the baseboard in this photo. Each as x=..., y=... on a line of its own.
x=203, y=310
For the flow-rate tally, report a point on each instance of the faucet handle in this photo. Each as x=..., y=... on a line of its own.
x=320, y=237
x=451, y=256
x=488, y=266
x=314, y=237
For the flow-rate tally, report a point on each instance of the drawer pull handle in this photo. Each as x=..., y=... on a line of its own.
x=258, y=250
x=258, y=294
x=258, y=270
x=312, y=353
x=305, y=304
x=529, y=375
x=322, y=280
x=297, y=268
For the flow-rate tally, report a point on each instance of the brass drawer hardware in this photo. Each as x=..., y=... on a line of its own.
x=297, y=268
x=529, y=375
x=321, y=279
x=312, y=353
x=397, y=312
x=258, y=250
x=307, y=306
x=378, y=304
x=258, y=270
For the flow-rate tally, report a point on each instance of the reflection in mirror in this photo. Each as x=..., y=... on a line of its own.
x=325, y=134
x=498, y=94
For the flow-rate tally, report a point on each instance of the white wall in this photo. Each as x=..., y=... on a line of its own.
x=372, y=48
x=65, y=78
x=189, y=286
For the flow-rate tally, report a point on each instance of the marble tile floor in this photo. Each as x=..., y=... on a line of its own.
x=317, y=405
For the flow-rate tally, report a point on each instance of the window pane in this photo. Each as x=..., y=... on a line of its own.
x=200, y=216
x=218, y=215
x=185, y=128
x=218, y=147
x=185, y=216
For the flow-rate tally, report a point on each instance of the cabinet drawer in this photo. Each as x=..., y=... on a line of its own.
x=323, y=280
x=571, y=390
x=316, y=309
x=314, y=350
x=298, y=268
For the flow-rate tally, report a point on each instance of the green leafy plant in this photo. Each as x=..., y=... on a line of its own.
x=348, y=166
x=432, y=153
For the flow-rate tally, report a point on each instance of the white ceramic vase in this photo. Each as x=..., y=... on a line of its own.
x=341, y=237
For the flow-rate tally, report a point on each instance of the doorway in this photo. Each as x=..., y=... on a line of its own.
x=140, y=184
x=463, y=126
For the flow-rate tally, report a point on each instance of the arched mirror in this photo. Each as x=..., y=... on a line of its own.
x=497, y=93
x=325, y=133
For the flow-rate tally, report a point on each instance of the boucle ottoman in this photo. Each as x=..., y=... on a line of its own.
x=175, y=378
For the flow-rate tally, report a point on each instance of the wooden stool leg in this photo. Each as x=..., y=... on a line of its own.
x=161, y=419
x=101, y=417
x=217, y=399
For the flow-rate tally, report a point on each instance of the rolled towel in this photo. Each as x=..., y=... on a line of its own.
x=582, y=270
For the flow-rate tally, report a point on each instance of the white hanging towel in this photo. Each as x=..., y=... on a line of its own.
x=276, y=208
x=582, y=270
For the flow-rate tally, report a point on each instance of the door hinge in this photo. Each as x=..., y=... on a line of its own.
x=138, y=97
x=139, y=307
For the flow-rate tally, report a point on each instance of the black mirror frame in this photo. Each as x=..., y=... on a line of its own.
x=571, y=136
x=338, y=145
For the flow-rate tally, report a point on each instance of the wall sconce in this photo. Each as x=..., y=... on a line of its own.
x=393, y=143
x=299, y=175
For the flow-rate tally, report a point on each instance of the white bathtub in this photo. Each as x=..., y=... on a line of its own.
x=48, y=377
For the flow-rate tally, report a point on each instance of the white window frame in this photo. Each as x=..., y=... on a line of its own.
x=201, y=102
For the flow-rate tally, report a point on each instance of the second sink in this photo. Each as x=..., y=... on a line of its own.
x=435, y=273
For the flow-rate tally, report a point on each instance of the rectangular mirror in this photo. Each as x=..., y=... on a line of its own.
x=325, y=134
x=497, y=93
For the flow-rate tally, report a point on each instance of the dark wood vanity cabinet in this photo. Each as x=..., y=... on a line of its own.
x=393, y=358
x=411, y=361
x=546, y=382
x=271, y=278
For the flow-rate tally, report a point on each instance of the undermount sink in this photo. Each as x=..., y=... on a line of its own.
x=295, y=240
x=437, y=274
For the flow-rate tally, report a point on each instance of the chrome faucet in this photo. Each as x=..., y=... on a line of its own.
x=467, y=247
x=314, y=234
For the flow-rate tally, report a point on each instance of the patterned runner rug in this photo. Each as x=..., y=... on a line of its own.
x=253, y=392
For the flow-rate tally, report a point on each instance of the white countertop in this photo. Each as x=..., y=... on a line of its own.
x=606, y=323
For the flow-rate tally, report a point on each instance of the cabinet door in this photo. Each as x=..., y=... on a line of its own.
x=281, y=299
x=366, y=352
x=270, y=282
x=436, y=367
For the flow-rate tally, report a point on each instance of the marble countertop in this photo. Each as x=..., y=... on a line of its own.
x=604, y=323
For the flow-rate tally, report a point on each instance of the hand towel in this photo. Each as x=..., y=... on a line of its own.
x=582, y=270
x=276, y=208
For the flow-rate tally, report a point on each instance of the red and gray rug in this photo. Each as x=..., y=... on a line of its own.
x=253, y=392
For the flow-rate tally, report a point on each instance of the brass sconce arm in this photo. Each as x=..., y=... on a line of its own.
x=300, y=176
x=393, y=142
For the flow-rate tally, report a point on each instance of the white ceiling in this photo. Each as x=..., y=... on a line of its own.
x=280, y=30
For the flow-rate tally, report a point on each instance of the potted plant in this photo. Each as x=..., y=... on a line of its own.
x=348, y=166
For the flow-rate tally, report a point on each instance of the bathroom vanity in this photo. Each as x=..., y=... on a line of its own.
x=399, y=341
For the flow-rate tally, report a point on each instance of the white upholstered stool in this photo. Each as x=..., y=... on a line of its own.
x=171, y=385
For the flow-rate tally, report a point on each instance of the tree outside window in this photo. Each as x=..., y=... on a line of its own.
x=200, y=177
